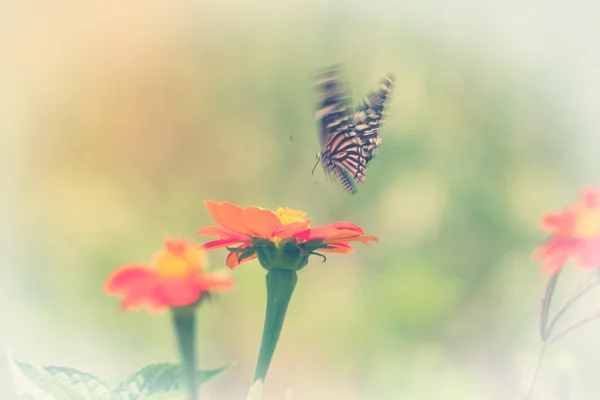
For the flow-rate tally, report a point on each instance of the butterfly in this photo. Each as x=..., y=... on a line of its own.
x=349, y=138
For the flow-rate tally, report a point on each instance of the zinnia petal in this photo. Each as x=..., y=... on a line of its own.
x=348, y=226
x=363, y=239
x=591, y=198
x=316, y=233
x=587, y=254
x=219, y=243
x=177, y=292
x=554, y=253
x=335, y=230
x=175, y=278
x=122, y=279
x=338, y=248
x=260, y=222
x=135, y=283
x=218, y=231
x=291, y=229
x=342, y=235
x=232, y=260
x=558, y=223
x=217, y=281
x=282, y=226
x=227, y=215
x=135, y=301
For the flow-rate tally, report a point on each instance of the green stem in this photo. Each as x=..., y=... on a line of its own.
x=184, y=321
x=545, y=308
x=536, y=372
x=581, y=290
x=280, y=286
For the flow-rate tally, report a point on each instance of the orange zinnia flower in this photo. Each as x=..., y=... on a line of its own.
x=176, y=278
x=574, y=233
x=257, y=232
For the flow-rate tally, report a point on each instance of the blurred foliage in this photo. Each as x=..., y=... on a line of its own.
x=132, y=122
x=159, y=381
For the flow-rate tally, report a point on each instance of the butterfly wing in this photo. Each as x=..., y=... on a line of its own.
x=349, y=139
x=368, y=116
x=334, y=102
x=345, y=180
x=343, y=156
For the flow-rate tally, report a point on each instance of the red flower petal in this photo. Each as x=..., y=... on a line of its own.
x=554, y=253
x=559, y=223
x=122, y=279
x=175, y=279
x=260, y=222
x=338, y=248
x=348, y=226
x=135, y=301
x=219, y=243
x=227, y=215
x=316, y=233
x=176, y=247
x=335, y=230
x=232, y=260
x=218, y=231
x=217, y=281
x=291, y=229
x=177, y=292
x=587, y=254
x=134, y=282
x=363, y=239
x=591, y=198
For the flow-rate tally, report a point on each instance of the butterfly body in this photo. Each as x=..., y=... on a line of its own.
x=349, y=138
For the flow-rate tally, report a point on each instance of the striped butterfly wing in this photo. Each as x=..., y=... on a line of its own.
x=345, y=180
x=334, y=103
x=343, y=157
x=349, y=139
x=368, y=116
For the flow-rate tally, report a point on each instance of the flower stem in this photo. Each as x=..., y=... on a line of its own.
x=545, y=307
x=577, y=324
x=280, y=286
x=580, y=291
x=184, y=321
x=536, y=372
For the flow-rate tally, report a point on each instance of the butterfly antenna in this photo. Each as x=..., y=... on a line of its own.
x=315, y=167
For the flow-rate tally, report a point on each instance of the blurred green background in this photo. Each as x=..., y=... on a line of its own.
x=121, y=118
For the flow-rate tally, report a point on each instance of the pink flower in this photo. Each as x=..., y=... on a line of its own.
x=574, y=233
x=175, y=278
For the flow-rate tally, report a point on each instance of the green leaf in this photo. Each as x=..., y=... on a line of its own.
x=237, y=249
x=39, y=384
x=313, y=245
x=545, y=307
x=326, y=246
x=320, y=255
x=207, y=375
x=262, y=242
x=87, y=385
x=246, y=254
x=160, y=381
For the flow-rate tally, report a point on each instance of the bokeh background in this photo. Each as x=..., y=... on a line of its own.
x=118, y=119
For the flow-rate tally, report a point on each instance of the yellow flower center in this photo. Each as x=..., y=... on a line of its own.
x=587, y=223
x=177, y=264
x=288, y=216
